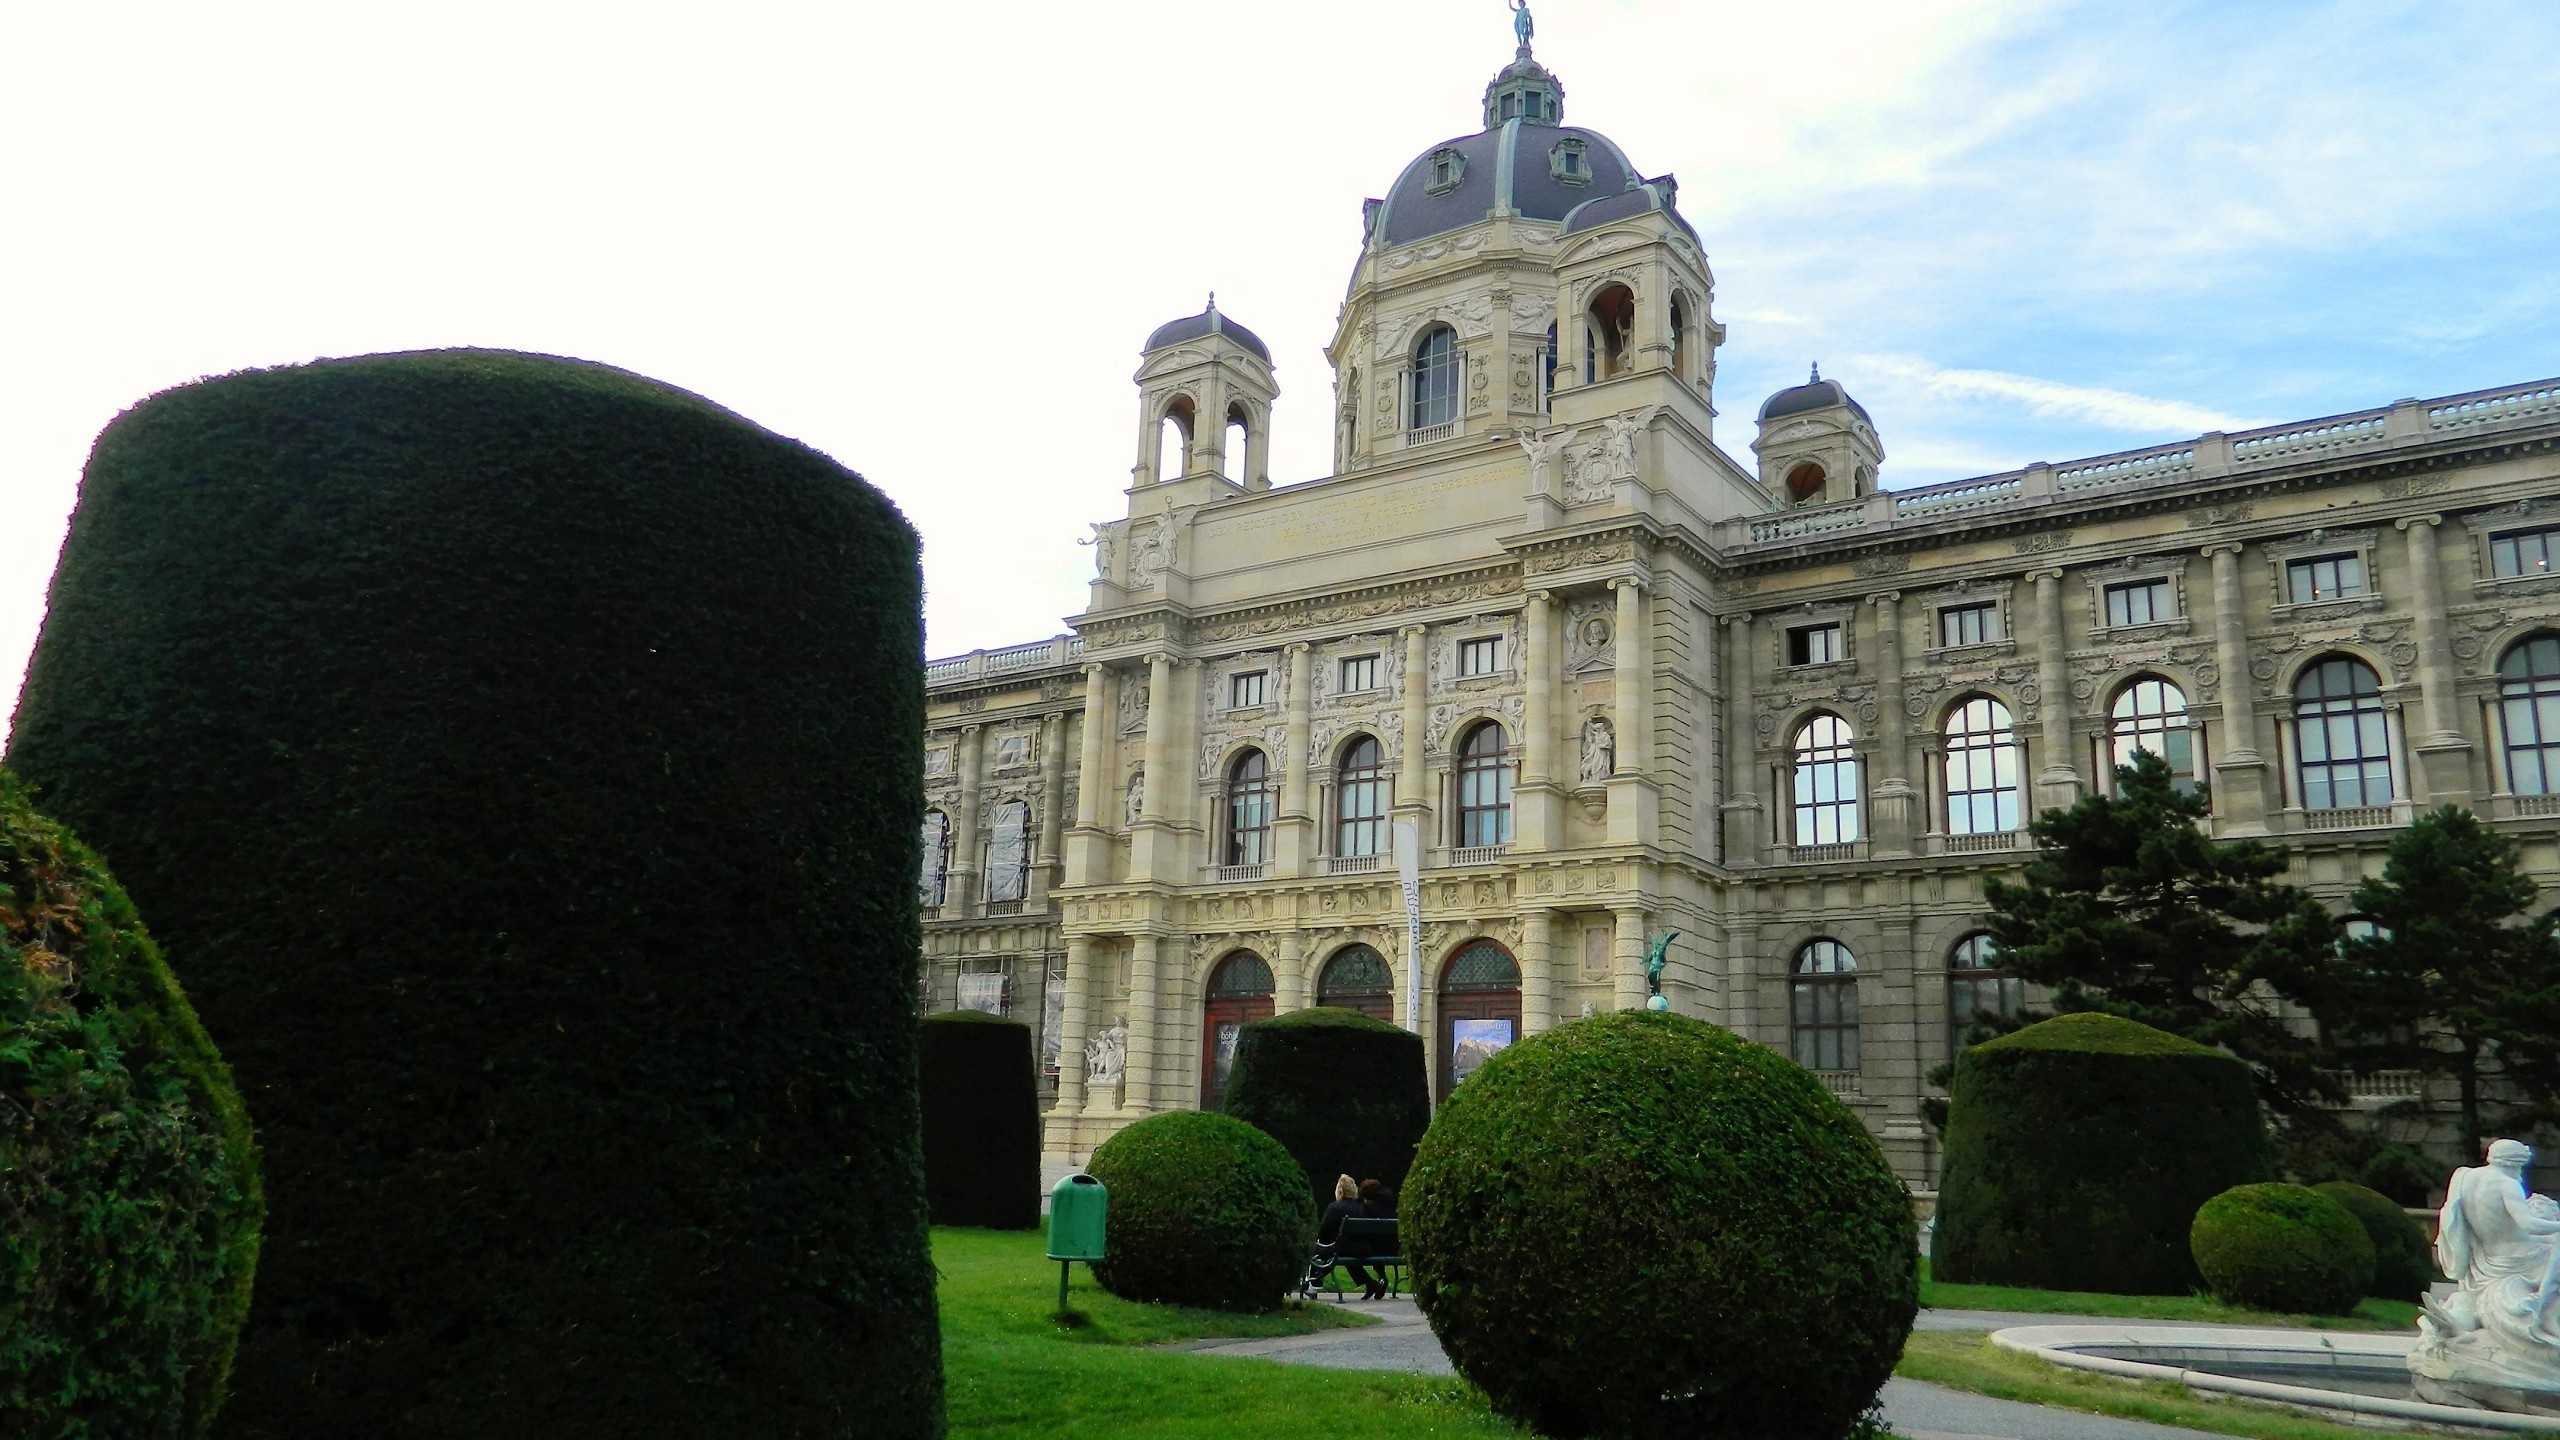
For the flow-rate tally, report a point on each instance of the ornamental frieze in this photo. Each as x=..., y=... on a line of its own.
x=1425, y=598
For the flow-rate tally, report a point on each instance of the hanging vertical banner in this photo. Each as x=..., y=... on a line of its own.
x=1409, y=871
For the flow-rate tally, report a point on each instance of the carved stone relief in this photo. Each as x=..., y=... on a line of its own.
x=1590, y=633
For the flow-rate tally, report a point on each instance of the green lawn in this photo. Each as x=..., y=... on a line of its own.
x=1011, y=1371
x=1967, y=1360
x=2372, y=1314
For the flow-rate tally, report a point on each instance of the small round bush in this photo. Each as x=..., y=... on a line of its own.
x=1639, y=1224
x=1204, y=1210
x=129, y=1199
x=2282, y=1247
x=2403, y=1266
x=1343, y=1091
x=2078, y=1150
x=981, y=1120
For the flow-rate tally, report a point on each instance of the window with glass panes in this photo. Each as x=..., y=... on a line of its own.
x=2529, y=712
x=1823, y=1007
x=1484, y=788
x=1249, y=806
x=1246, y=691
x=2324, y=577
x=1360, y=800
x=1359, y=672
x=2151, y=714
x=1435, y=379
x=1813, y=644
x=2138, y=602
x=2345, y=745
x=1481, y=656
x=1981, y=768
x=2522, y=552
x=937, y=858
x=1009, y=853
x=1826, y=782
x=1968, y=624
x=1979, y=992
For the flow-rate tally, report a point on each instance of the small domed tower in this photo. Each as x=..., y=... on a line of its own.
x=1205, y=390
x=1816, y=445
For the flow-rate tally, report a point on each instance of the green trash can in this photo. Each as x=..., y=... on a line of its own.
x=1079, y=1208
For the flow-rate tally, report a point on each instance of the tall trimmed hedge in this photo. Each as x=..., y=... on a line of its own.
x=2078, y=1150
x=981, y=1121
x=520, y=761
x=129, y=1201
x=1343, y=1091
x=1639, y=1224
x=2282, y=1247
x=1203, y=1210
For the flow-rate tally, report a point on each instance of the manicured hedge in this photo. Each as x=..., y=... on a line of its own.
x=1638, y=1224
x=2078, y=1150
x=981, y=1121
x=1203, y=1210
x=2403, y=1261
x=521, y=762
x=1343, y=1091
x=129, y=1201
x=2282, y=1247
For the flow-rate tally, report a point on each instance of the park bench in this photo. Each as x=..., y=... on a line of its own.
x=1368, y=1242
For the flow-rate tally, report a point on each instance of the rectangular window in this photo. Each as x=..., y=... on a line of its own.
x=1968, y=624
x=1480, y=657
x=2522, y=552
x=1359, y=672
x=2324, y=577
x=1245, y=691
x=1813, y=644
x=2143, y=602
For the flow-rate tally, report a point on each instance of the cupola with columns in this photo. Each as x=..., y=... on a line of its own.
x=1817, y=445
x=1205, y=391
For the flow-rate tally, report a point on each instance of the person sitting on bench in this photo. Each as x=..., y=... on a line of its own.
x=1346, y=1205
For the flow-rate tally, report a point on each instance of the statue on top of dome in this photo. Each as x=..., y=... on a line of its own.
x=1521, y=24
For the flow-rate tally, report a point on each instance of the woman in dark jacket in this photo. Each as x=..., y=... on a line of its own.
x=1346, y=1206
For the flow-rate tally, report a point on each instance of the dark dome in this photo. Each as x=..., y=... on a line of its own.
x=1814, y=394
x=1514, y=165
x=1208, y=322
x=1637, y=200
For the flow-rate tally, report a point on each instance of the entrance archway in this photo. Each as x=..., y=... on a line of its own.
x=1479, y=1009
x=1357, y=978
x=1239, y=993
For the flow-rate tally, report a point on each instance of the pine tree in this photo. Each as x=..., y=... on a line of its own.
x=2131, y=908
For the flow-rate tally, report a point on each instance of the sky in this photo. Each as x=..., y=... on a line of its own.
x=929, y=238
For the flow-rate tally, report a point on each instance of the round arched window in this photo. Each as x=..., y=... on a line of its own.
x=1823, y=1015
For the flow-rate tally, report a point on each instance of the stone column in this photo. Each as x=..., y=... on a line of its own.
x=2239, y=770
x=1413, y=768
x=961, y=891
x=1896, y=804
x=1053, y=795
x=1075, y=1025
x=1089, y=845
x=1295, y=832
x=1634, y=795
x=1626, y=955
x=1742, y=813
x=1138, y=1088
x=1152, y=840
x=1537, y=801
x=2058, y=779
x=2443, y=751
x=1289, y=978
x=1537, y=972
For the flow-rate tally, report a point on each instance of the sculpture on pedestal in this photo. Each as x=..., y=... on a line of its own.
x=2494, y=1342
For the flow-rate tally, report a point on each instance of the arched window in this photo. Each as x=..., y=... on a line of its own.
x=1982, y=768
x=1484, y=787
x=1610, y=324
x=1823, y=1019
x=1233, y=459
x=1826, y=782
x=1009, y=853
x=1357, y=978
x=1680, y=336
x=1173, y=439
x=1547, y=370
x=2338, y=725
x=1479, y=1009
x=2529, y=706
x=1249, y=797
x=1238, y=993
x=1804, y=482
x=2151, y=714
x=1979, y=990
x=937, y=859
x=1435, y=379
x=1360, y=800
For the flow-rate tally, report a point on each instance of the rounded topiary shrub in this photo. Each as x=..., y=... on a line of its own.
x=1343, y=1091
x=1639, y=1224
x=129, y=1201
x=2403, y=1261
x=1204, y=1210
x=2282, y=1247
x=2078, y=1149
x=520, y=762
x=981, y=1120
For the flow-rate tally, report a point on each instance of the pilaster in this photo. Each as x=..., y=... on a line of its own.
x=2239, y=769
x=1895, y=802
x=1153, y=844
x=2444, y=753
x=2058, y=781
x=1089, y=844
x=1293, y=838
x=1635, y=797
x=1742, y=812
x=1538, y=802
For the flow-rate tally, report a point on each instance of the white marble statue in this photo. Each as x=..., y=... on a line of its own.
x=2494, y=1342
x=1106, y=1055
x=1599, y=751
x=1137, y=795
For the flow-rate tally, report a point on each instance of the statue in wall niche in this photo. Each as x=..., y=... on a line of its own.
x=1599, y=750
x=1106, y=1055
x=1137, y=795
x=2494, y=1342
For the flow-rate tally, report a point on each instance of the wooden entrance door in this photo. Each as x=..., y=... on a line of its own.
x=1239, y=993
x=1479, y=1009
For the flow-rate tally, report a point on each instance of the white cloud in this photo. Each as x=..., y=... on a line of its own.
x=2048, y=399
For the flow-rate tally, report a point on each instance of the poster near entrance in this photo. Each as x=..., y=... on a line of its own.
x=1473, y=1042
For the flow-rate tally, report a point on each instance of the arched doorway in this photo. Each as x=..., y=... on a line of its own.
x=1239, y=993
x=1479, y=1009
x=1357, y=978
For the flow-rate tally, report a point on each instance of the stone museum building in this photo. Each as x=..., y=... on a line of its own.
x=1618, y=672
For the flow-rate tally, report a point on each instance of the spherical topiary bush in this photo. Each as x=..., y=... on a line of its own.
x=1343, y=1091
x=2078, y=1149
x=1204, y=1210
x=1639, y=1224
x=2282, y=1247
x=129, y=1200
x=981, y=1120
x=2403, y=1262
x=521, y=763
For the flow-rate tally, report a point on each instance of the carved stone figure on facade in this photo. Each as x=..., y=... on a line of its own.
x=1587, y=472
x=1106, y=1055
x=1149, y=556
x=1623, y=430
x=2495, y=1341
x=1599, y=750
x=1543, y=452
x=1137, y=794
x=1101, y=543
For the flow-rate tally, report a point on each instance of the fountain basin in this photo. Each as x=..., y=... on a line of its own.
x=2338, y=1372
